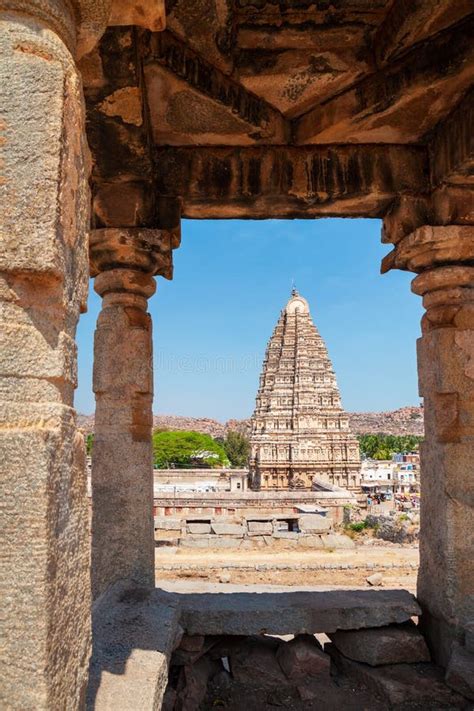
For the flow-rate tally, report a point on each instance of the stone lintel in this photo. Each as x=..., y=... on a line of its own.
x=149, y=14
x=138, y=249
x=306, y=611
x=452, y=148
x=276, y=181
x=446, y=205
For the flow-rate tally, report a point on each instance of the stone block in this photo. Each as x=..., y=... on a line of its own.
x=198, y=528
x=260, y=527
x=460, y=672
x=383, y=645
x=135, y=632
x=194, y=542
x=286, y=535
x=228, y=529
x=336, y=540
x=254, y=660
x=375, y=579
x=220, y=542
x=314, y=523
x=303, y=657
x=166, y=523
x=295, y=612
x=310, y=541
x=400, y=684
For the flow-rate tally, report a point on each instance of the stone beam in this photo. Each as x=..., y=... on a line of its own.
x=452, y=147
x=164, y=50
x=149, y=14
x=411, y=21
x=263, y=182
x=401, y=103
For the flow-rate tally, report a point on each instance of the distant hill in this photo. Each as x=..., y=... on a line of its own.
x=406, y=420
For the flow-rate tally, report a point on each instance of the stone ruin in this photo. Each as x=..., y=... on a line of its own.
x=119, y=117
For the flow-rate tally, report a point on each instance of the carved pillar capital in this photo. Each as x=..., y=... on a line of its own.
x=443, y=258
x=79, y=23
x=126, y=259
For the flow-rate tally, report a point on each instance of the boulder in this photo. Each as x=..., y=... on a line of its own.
x=394, y=644
x=460, y=672
x=253, y=661
x=375, y=580
x=392, y=529
x=421, y=684
x=302, y=657
x=224, y=577
x=196, y=679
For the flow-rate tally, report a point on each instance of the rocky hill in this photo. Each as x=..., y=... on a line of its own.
x=406, y=420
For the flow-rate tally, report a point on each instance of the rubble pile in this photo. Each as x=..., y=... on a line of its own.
x=395, y=529
x=377, y=668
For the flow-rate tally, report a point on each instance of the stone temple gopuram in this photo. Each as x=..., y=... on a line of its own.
x=300, y=433
x=118, y=119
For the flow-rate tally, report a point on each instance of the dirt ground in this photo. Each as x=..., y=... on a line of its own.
x=398, y=565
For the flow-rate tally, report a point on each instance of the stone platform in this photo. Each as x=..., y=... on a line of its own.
x=135, y=631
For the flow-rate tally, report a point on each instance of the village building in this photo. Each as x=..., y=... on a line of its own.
x=300, y=433
x=119, y=118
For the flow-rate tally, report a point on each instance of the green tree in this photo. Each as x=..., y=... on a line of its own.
x=187, y=449
x=382, y=446
x=89, y=443
x=237, y=448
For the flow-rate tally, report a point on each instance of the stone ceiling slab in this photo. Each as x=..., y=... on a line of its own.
x=190, y=101
x=401, y=104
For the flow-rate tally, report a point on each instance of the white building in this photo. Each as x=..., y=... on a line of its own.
x=377, y=477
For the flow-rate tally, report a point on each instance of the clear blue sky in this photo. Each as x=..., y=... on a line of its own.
x=211, y=323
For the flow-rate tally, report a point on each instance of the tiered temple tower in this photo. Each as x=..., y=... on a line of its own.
x=300, y=433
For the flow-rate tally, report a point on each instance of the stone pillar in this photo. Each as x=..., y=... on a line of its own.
x=44, y=197
x=123, y=262
x=443, y=257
